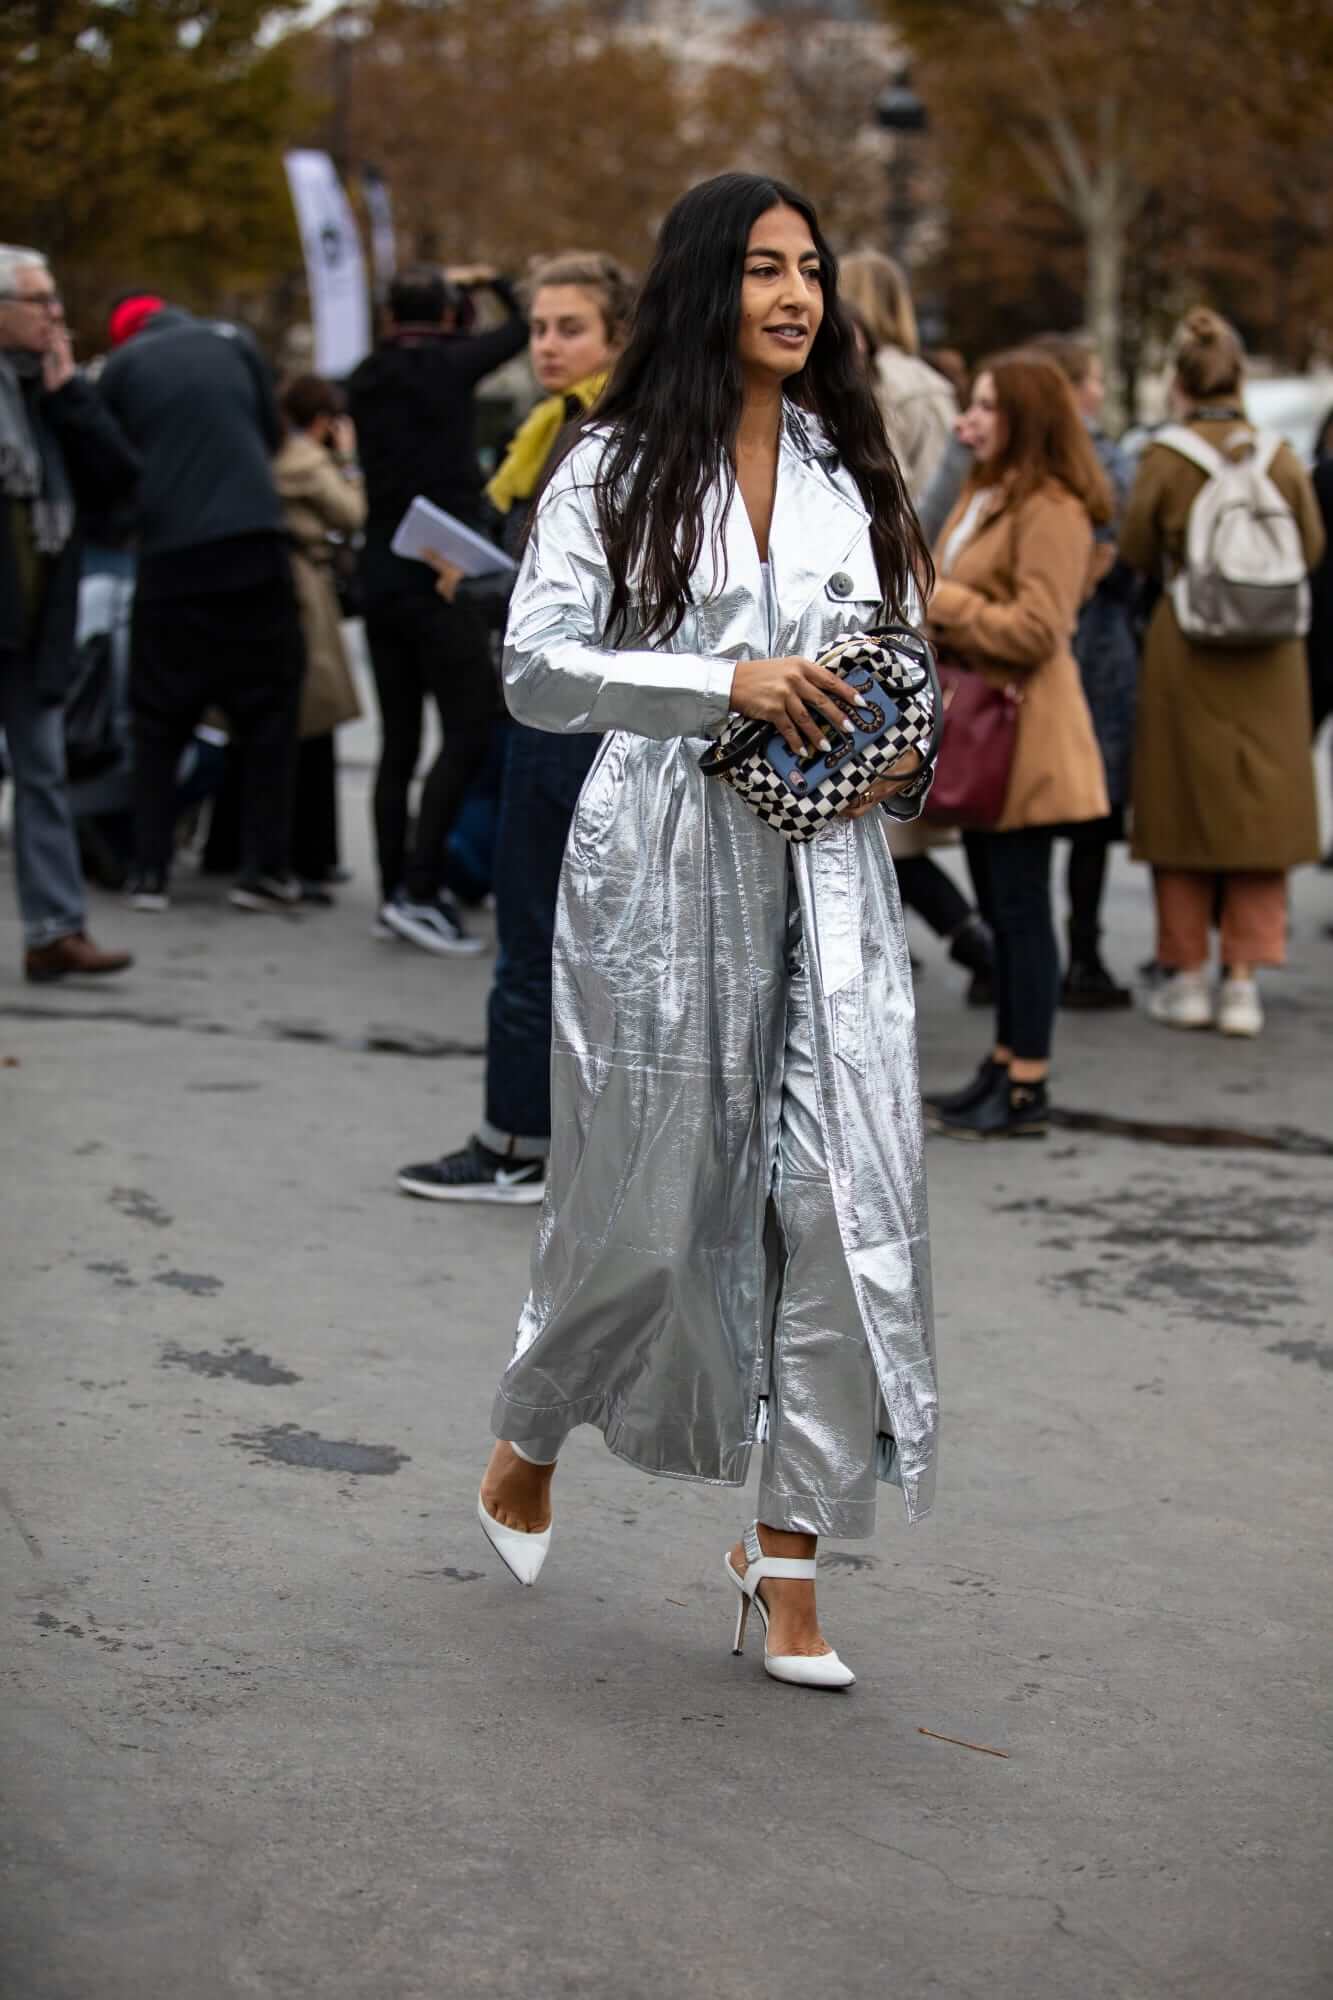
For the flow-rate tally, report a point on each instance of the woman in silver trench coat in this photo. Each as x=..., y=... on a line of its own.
x=733, y=1250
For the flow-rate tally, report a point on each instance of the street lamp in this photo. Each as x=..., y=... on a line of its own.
x=899, y=110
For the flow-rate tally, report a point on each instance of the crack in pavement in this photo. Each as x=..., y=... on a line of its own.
x=380, y=1038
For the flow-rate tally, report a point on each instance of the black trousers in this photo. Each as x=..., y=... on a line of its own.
x=1012, y=872
x=315, y=808
x=240, y=651
x=1090, y=847
x=544, y=773
x=420, y=646
x=935, y=896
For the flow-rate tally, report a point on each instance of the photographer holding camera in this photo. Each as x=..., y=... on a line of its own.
x=413, y=404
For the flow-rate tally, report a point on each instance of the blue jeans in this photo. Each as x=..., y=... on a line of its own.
x=543, y=776
x=46, y=851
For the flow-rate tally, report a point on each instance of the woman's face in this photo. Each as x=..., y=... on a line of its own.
x=569, y=337
x=981, y=427
x=782, y=296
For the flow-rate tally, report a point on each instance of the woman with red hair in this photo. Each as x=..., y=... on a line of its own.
x=1015, y=562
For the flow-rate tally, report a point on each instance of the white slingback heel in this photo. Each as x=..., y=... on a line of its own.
x=521, y=1554
x=816, y=1670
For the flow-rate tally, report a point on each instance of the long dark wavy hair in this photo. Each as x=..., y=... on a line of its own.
x=673, y=406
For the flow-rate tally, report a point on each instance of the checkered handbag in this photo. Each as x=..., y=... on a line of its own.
x=892, y=673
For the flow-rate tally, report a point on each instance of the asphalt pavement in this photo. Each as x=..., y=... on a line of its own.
x=276, y=1723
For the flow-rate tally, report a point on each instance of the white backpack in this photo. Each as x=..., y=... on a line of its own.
x=1244, y=580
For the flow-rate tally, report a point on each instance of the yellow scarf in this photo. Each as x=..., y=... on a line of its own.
x=534, y=441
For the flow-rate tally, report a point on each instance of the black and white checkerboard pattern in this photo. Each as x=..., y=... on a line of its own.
x=800, y=819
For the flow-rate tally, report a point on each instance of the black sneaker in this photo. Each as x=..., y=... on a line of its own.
x=475, y=1173
x=266, y=892
x=148, y=891
x=1089, y=987
x=433, y=926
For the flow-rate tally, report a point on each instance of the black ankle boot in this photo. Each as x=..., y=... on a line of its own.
x=971, y=1093
x=1089, y=986
x=1007, y=1111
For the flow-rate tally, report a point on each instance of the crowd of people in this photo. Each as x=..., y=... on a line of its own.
x=242, y=520
x=701, y=1054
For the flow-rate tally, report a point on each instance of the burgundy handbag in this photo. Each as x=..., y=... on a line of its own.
x=976, y=749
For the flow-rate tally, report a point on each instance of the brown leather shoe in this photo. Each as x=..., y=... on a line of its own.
x=75, y=953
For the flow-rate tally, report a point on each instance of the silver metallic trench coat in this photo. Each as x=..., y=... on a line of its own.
x=650, y=1280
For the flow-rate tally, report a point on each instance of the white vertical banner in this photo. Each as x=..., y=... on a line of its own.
x=383, y=243
x=334, y=267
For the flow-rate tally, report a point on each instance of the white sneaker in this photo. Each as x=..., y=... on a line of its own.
x=1238, y=1008
x=434, y=927
x=1183, y=1001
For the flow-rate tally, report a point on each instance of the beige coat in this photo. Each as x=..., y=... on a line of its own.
x=1008, y=606
x=317, y=498
x=919, y=409
x=1222, y=776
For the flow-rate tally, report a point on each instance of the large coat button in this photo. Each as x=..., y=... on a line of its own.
x=840, y=583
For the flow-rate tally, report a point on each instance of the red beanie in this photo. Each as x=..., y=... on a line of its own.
x=131, y=314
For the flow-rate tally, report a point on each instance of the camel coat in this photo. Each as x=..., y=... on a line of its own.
x=317, y=498
x=1008, y=607
x=1223, y=778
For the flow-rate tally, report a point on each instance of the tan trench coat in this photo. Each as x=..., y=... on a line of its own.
x=318, y=498
x=1008, y=606
x=1223, y=777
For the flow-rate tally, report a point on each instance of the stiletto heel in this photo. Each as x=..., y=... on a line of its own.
x=817, y=1670
x=521, y=1554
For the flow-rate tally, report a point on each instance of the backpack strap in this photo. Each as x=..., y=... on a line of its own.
x=1206, y=456
x=1267, y=445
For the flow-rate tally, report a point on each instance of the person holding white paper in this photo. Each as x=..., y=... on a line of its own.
x=580, y=310
x=413, y=404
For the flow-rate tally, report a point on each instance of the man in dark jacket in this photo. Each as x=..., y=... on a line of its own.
x=215, y=613
x=412, y=402
x=59, y=452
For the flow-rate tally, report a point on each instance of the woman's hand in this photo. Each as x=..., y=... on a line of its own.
x=342, y=437
x=901, y=774
x=448, y=575
x=799, y=698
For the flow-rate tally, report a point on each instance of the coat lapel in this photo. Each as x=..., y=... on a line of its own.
x=816, y=525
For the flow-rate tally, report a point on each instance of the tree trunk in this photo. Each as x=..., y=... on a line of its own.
x=1105, y=237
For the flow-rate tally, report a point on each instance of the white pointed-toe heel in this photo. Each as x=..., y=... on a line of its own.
x=521, y=1554
x=814, y=1670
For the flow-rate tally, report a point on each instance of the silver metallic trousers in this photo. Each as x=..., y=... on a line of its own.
x=822, y=1418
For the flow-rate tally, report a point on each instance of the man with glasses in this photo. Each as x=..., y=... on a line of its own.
x=59, y=452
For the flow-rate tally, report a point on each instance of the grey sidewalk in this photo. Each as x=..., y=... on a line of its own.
x=274, y=1721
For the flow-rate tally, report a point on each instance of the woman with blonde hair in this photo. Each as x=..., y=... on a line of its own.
x=1015, y=563
x=1224, y=800
x=918, y=405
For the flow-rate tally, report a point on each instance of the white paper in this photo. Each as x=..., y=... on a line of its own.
x=426, y=526
x=335, y=269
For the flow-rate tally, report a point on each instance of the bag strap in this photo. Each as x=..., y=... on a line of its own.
x=721, y=758
x=1206, y=456
x=1267, y=445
